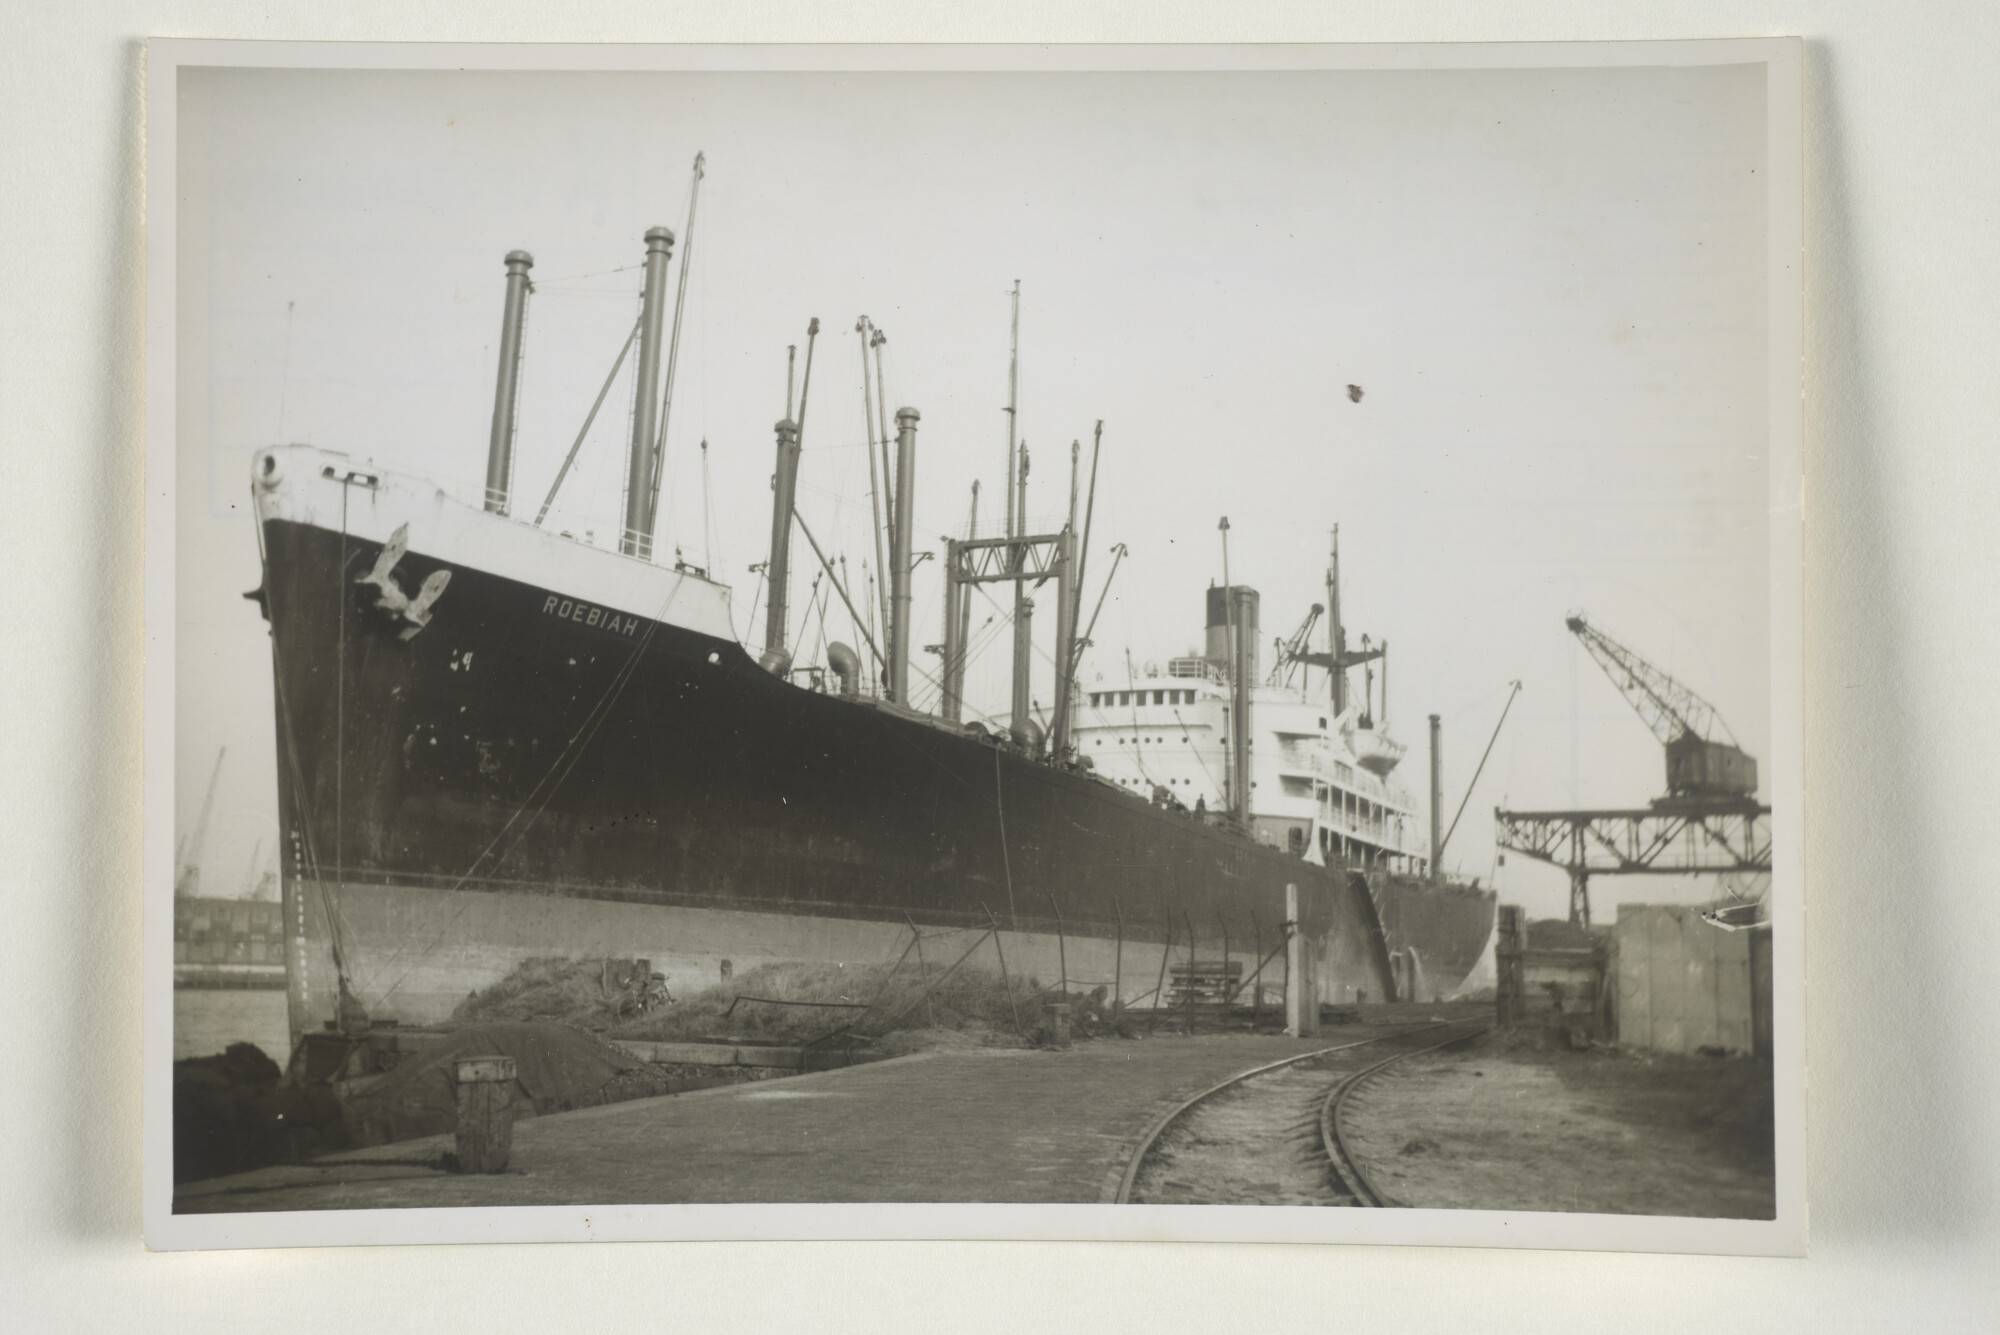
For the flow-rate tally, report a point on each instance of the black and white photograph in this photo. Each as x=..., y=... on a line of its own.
x=1204, y=641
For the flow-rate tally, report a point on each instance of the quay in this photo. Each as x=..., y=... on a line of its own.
x=973, y=1124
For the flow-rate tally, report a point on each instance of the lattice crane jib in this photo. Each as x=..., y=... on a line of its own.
x=1710, y=822
x=1702, y=755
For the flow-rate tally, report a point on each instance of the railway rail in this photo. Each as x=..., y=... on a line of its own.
x=1274, y=1134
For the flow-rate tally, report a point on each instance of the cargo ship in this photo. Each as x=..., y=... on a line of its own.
x=497, y=742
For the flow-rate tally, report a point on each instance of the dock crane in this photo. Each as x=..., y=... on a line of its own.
x=1698, y=764
x=187, y=866
x=1709, y=821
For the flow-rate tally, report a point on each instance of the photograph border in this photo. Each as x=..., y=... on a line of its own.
x=1786, y=1234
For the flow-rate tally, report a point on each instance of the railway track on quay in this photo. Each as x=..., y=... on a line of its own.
x=1275, y=1134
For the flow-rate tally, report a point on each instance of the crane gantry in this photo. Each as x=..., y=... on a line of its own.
x=1709, y=821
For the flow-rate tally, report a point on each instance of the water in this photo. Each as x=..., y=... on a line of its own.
x=207, y=1020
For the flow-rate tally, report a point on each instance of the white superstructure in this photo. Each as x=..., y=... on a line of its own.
x=1315, y=778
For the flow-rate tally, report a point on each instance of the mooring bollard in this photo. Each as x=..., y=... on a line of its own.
x=485, y=1113
x=1057, y=1015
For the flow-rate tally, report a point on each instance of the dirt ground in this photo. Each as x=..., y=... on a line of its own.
x=1517, y=1123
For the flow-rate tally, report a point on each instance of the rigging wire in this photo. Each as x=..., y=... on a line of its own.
x=599, y=273
x=336, y=920
x=565, y=761
x=588, y=420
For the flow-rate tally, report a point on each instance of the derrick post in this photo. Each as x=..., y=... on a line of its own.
x=637, y=538
x=507, y=390
x=950, y=707
x=1022, y=720
x=784, y=484
x=899, y=555
x=959, y=630
x=1065, y=640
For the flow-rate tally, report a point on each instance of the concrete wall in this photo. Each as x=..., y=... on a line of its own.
x=1683, y=984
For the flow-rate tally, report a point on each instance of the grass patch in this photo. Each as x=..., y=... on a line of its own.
x=582, y=992
x=873, y=1002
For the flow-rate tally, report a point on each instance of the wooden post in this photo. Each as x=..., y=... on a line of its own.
x=1160, y=988
x=1192, y=964
x=930, y=1015
x=1510, y=996
x=1005, y=981
x=1301, y=996
x=485, y=1113
x=1118, y=964
x=1257, y=979
x=1228, y=993
x=1285, y=931
x=1062, y=949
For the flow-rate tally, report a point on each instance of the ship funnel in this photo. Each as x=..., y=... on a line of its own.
x=1244, y=615
x=507, y=390
x=637, y=539
x=846, y=665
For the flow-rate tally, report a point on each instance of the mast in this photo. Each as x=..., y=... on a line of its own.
x=1013, y=403
x=673, y=360
x=1066, y=598
x=784, y=489
x=1336, y=634
x=1083, y=546
x=875, y=340
x=957, y=618
x=1239, y=731
x=1020, y=707
x=881, y=505
x=507, y=392
x=965, y=600
x=637, y=537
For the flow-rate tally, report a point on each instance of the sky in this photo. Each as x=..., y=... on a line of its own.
x=1549, y=286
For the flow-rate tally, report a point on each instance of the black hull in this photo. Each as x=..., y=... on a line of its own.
x=526, y=743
